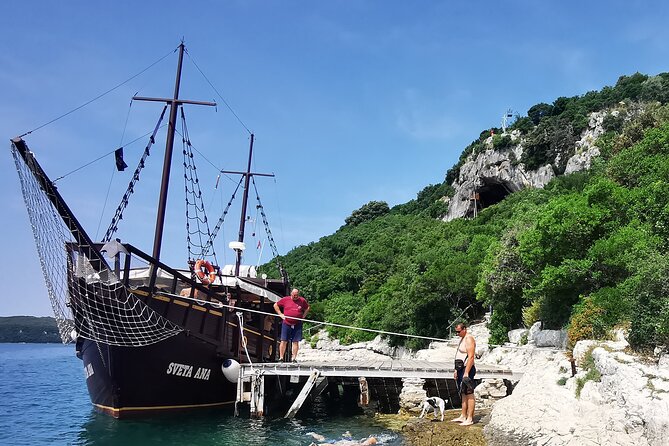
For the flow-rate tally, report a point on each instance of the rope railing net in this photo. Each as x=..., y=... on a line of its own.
x=87, y=298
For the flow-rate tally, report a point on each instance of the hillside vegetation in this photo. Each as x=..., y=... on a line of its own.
x=588, y=252
x=28, y=329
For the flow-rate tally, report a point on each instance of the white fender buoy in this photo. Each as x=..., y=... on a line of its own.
x=74, y=335
x=230, y=370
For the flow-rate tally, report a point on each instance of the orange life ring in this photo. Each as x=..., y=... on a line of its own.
x=205, y=277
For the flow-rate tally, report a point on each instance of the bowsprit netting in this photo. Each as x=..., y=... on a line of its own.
x=86, y=296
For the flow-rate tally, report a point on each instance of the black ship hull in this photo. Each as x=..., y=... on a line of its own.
x=176, y=374
x=183, y=372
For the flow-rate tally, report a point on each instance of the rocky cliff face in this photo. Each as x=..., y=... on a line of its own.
x=487, y=177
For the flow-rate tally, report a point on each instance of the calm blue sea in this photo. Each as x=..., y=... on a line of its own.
x=43, y=401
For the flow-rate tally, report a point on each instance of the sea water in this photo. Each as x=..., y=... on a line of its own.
x=43, y=401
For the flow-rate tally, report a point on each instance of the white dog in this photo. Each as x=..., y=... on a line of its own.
x=433, y=403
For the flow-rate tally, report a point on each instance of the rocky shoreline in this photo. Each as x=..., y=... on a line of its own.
x=429, y=432
x=615, y=398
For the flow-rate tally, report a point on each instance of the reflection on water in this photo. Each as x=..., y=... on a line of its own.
x=44, y=401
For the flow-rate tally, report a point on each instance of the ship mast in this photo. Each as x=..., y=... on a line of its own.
x=174, y=104
x=245, y=200
x=239, y=246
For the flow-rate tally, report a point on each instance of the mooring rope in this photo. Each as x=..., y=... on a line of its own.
x=240, y=317
x=332, y=324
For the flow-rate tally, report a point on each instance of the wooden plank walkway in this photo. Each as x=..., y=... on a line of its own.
x=375, y=369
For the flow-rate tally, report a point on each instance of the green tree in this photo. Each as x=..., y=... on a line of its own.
x=367, y=212
x=537, y=112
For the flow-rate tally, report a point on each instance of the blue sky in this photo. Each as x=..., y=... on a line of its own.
x=350, y=101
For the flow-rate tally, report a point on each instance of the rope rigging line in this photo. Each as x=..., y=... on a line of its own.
x=221, y=219
x=104, y=206
x=103, y=156
x=332, y=324
x=118, y=215
x=111, y=178
x=100, y=95
x=219, y=94
x=208, y=161
x=193, y=191
x=268, y=231
x=260, y=207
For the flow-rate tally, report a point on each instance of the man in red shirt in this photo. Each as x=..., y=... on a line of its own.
x=291, y=329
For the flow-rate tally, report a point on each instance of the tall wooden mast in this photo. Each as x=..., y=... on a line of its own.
x=174, y=104
x=245, y=199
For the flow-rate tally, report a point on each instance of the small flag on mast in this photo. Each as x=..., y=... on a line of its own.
x=120, y=164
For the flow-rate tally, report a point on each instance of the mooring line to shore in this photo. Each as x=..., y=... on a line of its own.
x=332, y=324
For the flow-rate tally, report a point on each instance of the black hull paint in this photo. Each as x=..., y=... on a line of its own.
x=178, y=373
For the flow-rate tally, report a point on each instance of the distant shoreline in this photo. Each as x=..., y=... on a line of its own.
x=29, y=330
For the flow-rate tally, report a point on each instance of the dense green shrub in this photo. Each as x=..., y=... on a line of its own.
x=367, y=212
x=537, y=112
x=523, y=124
x=586, y=323
x=501, y=142
x=650, y=306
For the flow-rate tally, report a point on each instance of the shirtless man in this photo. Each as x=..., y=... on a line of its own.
x=464, y=374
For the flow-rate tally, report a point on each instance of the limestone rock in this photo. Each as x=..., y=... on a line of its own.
x=490, y=391
x=516, y=335
x=586, y=150
x=412, y=395
x=534, y=329
x=551, y=338
x=332, y=350
x=663, y=362
x=626, y=406
x=582, y=347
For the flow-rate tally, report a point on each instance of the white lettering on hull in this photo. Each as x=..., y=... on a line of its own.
x=186, y=371
x=88, y=370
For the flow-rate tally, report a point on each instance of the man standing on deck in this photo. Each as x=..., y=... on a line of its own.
x=291, y=329
x=464, y=374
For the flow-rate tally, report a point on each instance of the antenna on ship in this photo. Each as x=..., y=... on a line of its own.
x=506, y=118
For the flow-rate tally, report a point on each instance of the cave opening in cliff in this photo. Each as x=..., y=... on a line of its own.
x=491, y=192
